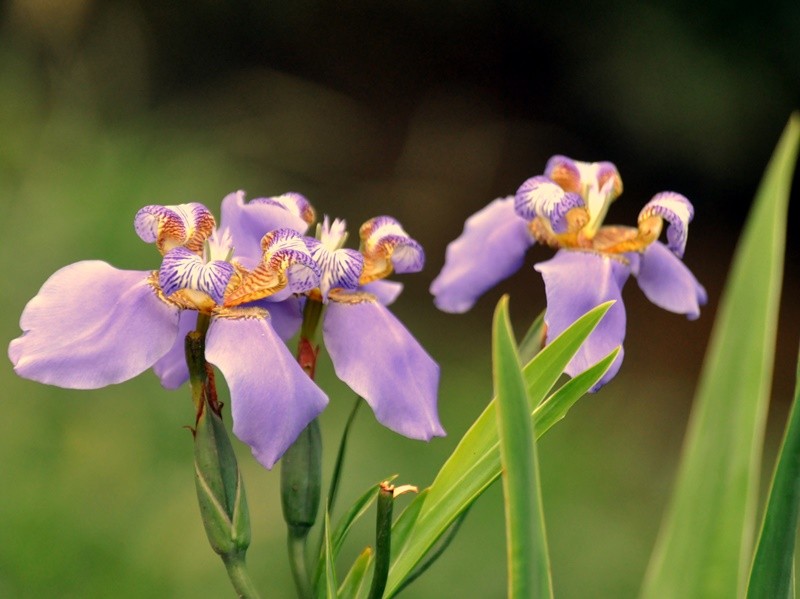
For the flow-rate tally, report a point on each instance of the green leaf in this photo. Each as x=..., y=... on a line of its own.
x=771, y=574
x=526, y=543
x=353, y=584
x=330, y=569
x=704, y=546
x=475, y=463
x=533, y=341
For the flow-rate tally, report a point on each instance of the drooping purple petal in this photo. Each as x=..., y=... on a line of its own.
x=539, y=196
x=491, y=248
x=576, y=282
x=386, y=291
x=187, y=225
x=171, y=369
x=182, y=269
x=668, y=283
x=286, y=316
x=249, y=222
x=380, y=360
x=92, y=325
x=677, y=211
x=272, y=399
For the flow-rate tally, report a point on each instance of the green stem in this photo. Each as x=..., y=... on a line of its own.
x=383, y=540
x=297, y=561
x=240, y=577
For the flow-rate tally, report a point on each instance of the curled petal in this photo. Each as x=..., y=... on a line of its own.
x=272, y=399
x=181, y=269
x=668, y=283
x=339, y=268
x=677, y=211
x=564, y=172
x=380, y=360
x=292, y=201
x=386, y=247
x=386, y=292
x=186, y=225
x=92, y=325
x=171, y=369
x=491, y=248
x=249, y=222
x=576, y=282
x=539, y=196
x=286, y=267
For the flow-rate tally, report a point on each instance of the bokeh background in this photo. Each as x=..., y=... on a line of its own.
x=422, y=110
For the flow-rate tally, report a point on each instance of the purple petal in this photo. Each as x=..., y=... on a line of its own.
x=576, y=282
x=292, y=201
x=286, y=316
x=249, y=222
x=539, y=196
x=668, y=283
x=272, y=399
x=380, y=360
x=491, y=248
x=677, y=211
x=171, y=369
x=92, y=325
x=182, y=269
x=386, y=291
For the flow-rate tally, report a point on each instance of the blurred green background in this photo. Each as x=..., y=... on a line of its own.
x=425, y=111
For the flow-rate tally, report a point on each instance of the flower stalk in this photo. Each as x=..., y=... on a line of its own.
x=220, y=488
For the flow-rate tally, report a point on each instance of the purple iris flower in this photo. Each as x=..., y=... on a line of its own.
x=93, y=325
x=565, y=209
x=370, y=349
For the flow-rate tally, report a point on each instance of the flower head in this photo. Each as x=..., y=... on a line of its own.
x=92, y=325
x=370, y=349
x=565, y=209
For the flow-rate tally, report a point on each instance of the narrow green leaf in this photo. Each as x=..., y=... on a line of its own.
x=533, y=341
x=353, y=584
x=405, y=522
x=475, y=463
x=526, y=542
x=705, y=543
x=771, y=574
x=330, y=569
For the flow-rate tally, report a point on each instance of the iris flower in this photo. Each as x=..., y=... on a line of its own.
x=565, y=209
x=370, y=349
x=93, y=325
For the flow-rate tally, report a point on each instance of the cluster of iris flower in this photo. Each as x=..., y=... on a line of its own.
x=246, y=283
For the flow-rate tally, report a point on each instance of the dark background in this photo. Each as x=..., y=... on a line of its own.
x=422, y=110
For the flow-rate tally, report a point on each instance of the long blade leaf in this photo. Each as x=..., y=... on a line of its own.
x=705, y=542
x=526, y=543
x=475, y=463
x=771, y=574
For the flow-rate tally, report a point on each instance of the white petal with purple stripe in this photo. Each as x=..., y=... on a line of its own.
x=677, y=211
x=540, y=196
x=181, y=269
